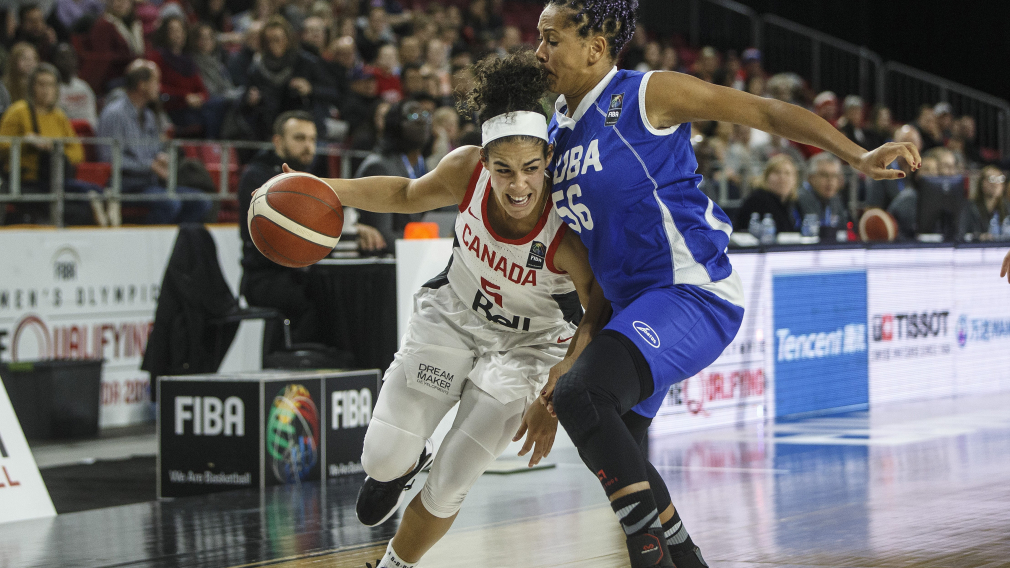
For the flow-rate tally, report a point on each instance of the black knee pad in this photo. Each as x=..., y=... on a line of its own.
x=574, y=406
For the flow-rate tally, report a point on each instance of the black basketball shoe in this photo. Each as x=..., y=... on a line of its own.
x=690, y=559
x=378, y=500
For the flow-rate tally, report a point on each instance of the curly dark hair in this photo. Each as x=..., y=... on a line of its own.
x=517, y=82
x=613, y=19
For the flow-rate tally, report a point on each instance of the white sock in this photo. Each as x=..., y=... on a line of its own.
x=391, y=560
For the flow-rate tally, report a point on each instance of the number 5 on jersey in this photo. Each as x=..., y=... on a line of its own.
x=578, y=213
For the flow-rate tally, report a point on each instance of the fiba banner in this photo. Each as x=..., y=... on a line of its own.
x=350, y=398
x=259, y=429
x=91, y=294
x=23, y=495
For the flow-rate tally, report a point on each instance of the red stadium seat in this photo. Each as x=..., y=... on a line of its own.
x=97, y=173
x=83, y=129
x=210, y=156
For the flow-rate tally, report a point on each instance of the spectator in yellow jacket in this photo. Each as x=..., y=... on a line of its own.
x=37, y=119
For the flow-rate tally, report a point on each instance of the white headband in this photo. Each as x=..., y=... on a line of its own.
x=519, y=123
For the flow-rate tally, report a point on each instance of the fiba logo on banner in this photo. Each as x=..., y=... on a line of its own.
x=209, y=416
x=292, y=437
x=350, y=409
x=66, y=262
x=820, y=341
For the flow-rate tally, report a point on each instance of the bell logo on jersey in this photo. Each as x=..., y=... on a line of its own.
x=616, y=103
x=538, y=252
x=647, y=333
x=483, y=305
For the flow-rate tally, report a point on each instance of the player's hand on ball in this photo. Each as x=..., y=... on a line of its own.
x=539, y=427
x=547, y=394
x=1006, y=267
x=874, y=163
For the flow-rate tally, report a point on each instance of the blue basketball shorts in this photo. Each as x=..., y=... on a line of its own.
x=680, y=330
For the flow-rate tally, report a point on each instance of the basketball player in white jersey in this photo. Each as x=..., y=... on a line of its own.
x=486, y=332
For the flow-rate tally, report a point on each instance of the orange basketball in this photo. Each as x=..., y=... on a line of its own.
x=295, y=219
x=877, y=225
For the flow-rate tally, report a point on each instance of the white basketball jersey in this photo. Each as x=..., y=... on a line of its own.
x=511, y=283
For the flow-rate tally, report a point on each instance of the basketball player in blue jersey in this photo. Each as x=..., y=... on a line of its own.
x=624, y=180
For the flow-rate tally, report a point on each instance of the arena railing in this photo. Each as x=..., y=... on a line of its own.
x=828, y=62
x=722, y=23
x=11, y=188
x=725, y=23
x=909, y=88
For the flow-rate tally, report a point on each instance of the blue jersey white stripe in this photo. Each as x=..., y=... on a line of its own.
x=631, y=192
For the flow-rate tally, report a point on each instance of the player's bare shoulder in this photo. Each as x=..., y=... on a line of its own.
x=456, y=168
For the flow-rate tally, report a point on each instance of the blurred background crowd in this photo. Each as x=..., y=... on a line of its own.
x=382, y=77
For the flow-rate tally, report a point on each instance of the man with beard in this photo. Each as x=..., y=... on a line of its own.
x=407, y=132
x=264, y=283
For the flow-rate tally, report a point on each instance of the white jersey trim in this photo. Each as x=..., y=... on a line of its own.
x=729, y=289
x=714, y=222
x=645, y=118
x=686, y=270
x=588, y=101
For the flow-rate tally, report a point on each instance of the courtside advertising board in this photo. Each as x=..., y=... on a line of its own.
x=23, y=494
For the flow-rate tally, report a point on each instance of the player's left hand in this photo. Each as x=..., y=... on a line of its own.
x=874, y=163
x=540, y=428
x=1006, y=267
x=547, y=394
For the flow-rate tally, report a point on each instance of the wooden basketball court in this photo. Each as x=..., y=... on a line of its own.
x=918, y=485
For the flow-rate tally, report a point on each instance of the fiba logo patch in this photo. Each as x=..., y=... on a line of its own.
x=614, y=112
x=962, y=331
x=538, y=252
x=647, y=333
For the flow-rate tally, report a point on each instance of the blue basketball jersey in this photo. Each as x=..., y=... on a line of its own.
x=631, y=192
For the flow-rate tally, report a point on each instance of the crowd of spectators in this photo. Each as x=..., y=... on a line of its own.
x=382, y=76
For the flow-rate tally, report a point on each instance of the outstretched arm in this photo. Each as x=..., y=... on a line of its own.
x=445, y=185
x=674, y=98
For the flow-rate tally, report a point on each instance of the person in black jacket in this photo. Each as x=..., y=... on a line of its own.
x=407, y=132
x=777, y=196
x=285, y=77
x=264, y=283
